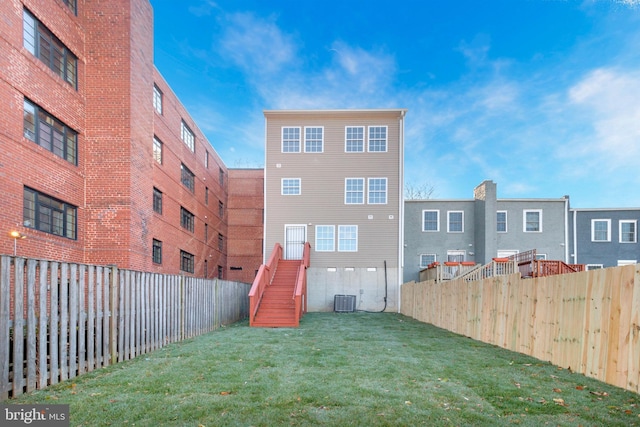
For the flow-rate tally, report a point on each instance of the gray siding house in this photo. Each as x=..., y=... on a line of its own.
x=483, y=228
x=334, y=178
x=603, y=238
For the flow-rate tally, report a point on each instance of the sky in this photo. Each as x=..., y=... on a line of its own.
x=540, y=96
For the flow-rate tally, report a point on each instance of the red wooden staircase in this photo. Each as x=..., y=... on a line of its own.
x=279, y=291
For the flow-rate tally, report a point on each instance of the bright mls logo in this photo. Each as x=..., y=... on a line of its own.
x=35, y=415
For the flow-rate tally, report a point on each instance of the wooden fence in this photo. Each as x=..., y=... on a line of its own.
x=587, y=321
x=61, y=320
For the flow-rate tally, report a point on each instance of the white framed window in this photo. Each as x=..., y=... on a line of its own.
x=157, y=99
x=594, y=266
x=501, y=221
x=291, y=187
x=532, y=221
x=622, y=262
x=187, y=136
x=506, y=253
x=377, y=191
x=456, y=255
x=600, y=230
x=354, y=139
x=347, y=238
x=377, y=139
x=628, y=233
x=541, y=256
x=431, y=220
x=313, y=139
x=325, y=238
x=354, y=191
x=291, y=139
x=157, y=150
x=426, y=259
x=455, y=222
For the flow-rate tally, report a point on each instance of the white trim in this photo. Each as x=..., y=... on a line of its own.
x=386, y=138
x=449, y=221
x=506, y=221
x=333, y=238
x=622, y=262
x=593, y=222
x=282, y=128
x=363, y=191
x=304, y=137
x=524, y=220
x=635, y=230
x=437, y=211
x=505, y=253
x=435, y=258
x=338, y=238
x=386, y=191
x=364, y=148
x=282, y=180
x=284, y=246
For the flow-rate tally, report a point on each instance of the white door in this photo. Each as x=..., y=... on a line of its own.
x=294, y=238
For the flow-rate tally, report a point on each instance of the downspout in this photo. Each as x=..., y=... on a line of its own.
x=264, y=198
x=566, y=231
x=400, y=210
x=575, y=238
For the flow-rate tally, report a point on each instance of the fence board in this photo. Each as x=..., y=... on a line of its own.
x=43, y=350
x=91, y=318
x=5, y=307
x=82, y=318
x=54, y=344
x=18, y=326
x=73, y=321
x=31, y=325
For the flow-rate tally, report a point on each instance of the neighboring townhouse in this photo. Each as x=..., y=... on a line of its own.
x=605, y=237
x=334, y=178
x=482, y=228
x=99, y=161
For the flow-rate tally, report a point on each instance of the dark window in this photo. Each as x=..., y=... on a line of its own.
x=50, y=215
x=206, y=195
x=221, y=209
x=72, y=4
x=221, y=177
x=157, y=251
x=186, y=219
x=38, y=40
x=50, y=133
x=220, y=241
x=187, y=262
x=205, y=268
x=187, y=177
x=220, y=272
x=206, y=233
x=157, y=200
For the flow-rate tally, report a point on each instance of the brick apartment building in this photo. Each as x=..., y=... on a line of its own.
x=99, y=161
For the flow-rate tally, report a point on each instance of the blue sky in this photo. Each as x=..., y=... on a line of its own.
x=543, y=97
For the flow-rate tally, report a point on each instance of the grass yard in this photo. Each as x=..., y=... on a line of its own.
x=339, y=370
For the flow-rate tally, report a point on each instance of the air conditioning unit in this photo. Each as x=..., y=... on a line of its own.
x=344, y=303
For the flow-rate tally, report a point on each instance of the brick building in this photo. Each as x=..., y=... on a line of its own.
x=99, y=161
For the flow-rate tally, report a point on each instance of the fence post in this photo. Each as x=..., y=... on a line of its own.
x=113, y=319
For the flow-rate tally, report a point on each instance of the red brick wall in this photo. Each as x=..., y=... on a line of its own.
x=246, y=206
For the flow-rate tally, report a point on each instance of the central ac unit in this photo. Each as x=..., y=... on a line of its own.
x=344, y=303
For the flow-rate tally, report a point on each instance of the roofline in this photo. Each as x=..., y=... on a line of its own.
x=603, y=209
x=402, y=111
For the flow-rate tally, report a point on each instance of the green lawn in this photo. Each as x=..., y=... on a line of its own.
x=339, y=369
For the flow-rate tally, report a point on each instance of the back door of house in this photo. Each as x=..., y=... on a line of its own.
x=294, y=238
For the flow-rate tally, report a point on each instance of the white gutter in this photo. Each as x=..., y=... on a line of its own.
x=401, y=210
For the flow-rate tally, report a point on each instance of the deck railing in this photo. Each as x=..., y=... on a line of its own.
x=543, y=267
x=446, y=271
x=300, y=291
x=262, y=280
x=497, y=267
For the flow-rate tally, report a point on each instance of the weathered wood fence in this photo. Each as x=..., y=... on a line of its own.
x=587, y=321
x=61, y=320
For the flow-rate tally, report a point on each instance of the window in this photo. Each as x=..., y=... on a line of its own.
x=541, y=256
x=50, y=215
x=290, y=140
x=157, y=99
x=38, y=40
x=455, y=222
x=532, y=221
x=157, y=150
x=50, y=133
x=622, y=262
x=325, y=238
x=157, y=200
x=220, y=242
x=456, y=256
x=221, y=177
x=206, y=269
x=377, y=138
x=594, y=266
x=157, y=251
x=628, y=231
x=600, y=230
x=206, y=233
x=187, y=136
x=377, y=191
x=501, y=221
x=354, y=191
x=426, y=259
x=220, y=272
x=187, y=219
x=430, y=220
x=206, y=196
x=206, y=159
x=290, y=186
x=187, y=177
x=348, y=238
x=72, y=5
x=187, y=262
x=220, y=209
x=354, y=139
x=313, y=141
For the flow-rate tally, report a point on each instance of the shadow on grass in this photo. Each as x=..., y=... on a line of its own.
x=339, y=369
